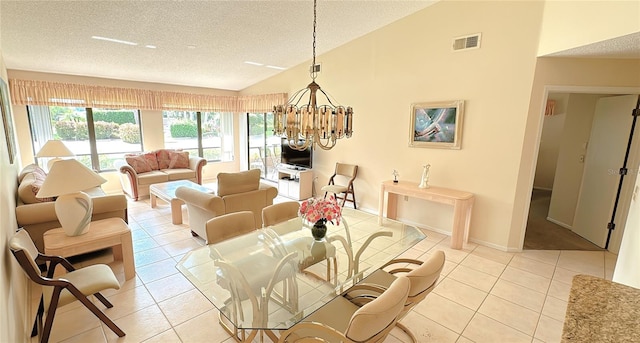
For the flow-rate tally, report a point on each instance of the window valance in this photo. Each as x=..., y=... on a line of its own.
x=47, y=93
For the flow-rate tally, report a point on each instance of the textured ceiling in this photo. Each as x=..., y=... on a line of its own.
x=198, y=43
x=621, y=47
x=202, y=43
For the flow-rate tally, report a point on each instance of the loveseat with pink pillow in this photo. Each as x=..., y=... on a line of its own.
x=139, y=171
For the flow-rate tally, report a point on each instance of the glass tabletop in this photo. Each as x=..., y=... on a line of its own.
x=274, y=277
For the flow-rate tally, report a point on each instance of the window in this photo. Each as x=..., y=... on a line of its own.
x=203, y=134
x=98, y=137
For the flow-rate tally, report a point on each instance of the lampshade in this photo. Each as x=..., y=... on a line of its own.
x=66, y=180
x=69, y=176
x=54, y=148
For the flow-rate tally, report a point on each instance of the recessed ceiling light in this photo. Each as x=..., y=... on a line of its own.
x=275, y=67
x=253, y=63
x=150, y=46
x=191, y=46
x=113, y=40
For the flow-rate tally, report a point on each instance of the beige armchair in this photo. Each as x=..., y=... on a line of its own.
x=243, y=191
x=236, y=192
x=77, y=284
x=201, y=207
x=353, y=319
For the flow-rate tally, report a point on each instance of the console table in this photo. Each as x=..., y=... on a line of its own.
x=461, y=201
x=105, y=233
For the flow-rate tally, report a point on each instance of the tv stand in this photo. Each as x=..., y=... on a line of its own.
x=295, y=182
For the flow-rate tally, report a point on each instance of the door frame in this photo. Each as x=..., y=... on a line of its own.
x=565, y=89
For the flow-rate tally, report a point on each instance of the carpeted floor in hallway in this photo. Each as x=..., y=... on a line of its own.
x=542, y=234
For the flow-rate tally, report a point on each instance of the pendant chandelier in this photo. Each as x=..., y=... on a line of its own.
x=312, y=123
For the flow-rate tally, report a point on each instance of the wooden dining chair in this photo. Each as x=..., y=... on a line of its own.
x=76, y=284
x=353, y=319
x=341, y=183
x=422, y=275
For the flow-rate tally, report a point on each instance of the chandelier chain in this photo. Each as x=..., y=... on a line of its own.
x=313, y=65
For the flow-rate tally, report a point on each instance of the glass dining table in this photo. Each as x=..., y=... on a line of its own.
x=272, y=278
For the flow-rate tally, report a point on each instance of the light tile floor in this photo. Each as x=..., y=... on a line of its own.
x=483, y=295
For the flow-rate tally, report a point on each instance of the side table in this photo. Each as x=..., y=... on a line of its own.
x=105, y=233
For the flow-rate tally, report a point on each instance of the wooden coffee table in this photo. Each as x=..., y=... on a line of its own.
x=167, y=192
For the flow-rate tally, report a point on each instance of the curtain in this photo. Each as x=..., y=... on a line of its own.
x=46, y=93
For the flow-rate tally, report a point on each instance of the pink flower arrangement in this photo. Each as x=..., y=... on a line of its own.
x=315, y=209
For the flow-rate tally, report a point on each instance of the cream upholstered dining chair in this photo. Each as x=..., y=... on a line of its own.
x=353, y=319
x=251, y=279
x=77, y=284
x=422, y=275
x=229, y=225
x=279, y=212
x=341, y=183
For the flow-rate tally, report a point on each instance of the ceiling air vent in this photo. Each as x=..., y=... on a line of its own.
x=467, y=42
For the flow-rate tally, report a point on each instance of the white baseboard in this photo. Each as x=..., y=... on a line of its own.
x=472, y=240
x=557, y=222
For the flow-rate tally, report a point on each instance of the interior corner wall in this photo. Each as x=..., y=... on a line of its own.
x=570, y=24
x=14, y=303
x=568, y=177
x=568, y=75
x=410, y=61
x=550, y=144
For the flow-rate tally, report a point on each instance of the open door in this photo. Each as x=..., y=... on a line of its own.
x=604, y=158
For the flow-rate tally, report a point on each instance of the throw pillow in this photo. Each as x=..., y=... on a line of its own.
x=30, y=169
x=163, y=158
x=138, y=163
x=232, y=183
x=151, y=159
x=29, y=187
x=178, y=159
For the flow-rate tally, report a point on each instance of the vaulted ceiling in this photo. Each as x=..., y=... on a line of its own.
x=195, y=43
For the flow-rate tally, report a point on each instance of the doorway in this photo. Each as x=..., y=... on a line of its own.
x=572, y=194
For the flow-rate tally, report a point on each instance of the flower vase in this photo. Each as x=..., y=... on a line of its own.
x=319, y=229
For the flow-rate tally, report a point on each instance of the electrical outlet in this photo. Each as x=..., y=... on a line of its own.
x=406, y=198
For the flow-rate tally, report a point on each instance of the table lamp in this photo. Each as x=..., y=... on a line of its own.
x=56, y=149
x=66, y=180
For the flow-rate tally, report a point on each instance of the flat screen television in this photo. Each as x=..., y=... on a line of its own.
x=295, y=158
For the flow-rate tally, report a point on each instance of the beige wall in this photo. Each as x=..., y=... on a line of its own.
x=410, y=61
x=570, y=24
x=568, y=178
x=550, y=143
x=578, y=75
x=14, y=322
x=151, y=121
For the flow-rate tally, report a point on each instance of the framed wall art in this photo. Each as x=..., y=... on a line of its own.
x=436, y=124
x=7, y=121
